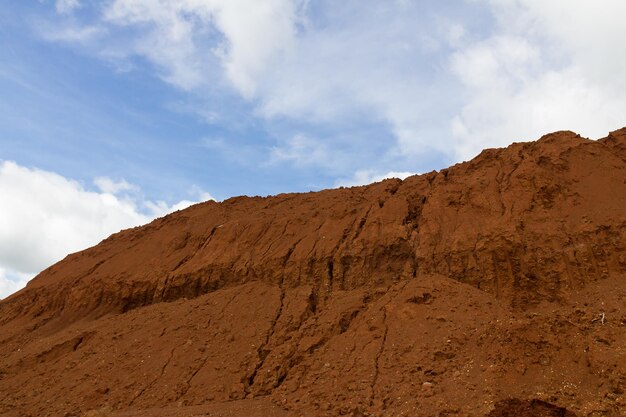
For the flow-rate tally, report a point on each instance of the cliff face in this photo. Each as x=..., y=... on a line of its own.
x=449, y=292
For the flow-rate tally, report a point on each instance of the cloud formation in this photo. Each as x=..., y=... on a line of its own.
x=11, y=282
x=46, y=216
x=301, y=149
x=331, y=63
x=439, y=81
x=193, y=42
x=544, y=67
x=107, y=185
x=66, y=6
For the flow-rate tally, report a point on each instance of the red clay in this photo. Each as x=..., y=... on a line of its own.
x=493, y=288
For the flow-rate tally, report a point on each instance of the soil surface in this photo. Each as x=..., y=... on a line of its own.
x=496, y=287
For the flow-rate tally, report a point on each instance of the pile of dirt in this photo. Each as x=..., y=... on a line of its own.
x=495, y=287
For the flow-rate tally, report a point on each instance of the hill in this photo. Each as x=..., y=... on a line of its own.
x=495, y=287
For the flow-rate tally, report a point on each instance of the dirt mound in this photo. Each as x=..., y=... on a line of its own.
x=446, y=294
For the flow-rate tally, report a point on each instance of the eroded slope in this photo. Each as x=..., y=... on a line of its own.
x=478, y=289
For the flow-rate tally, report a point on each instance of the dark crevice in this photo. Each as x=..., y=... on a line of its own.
x=144, y=389
x=206, y=358
x=290, y=252
x=383, y=342
x=312, y=303
x=188, y=257
x=191, y=377
x=262, y=351
x=534, y=407
x=280, y=237
x=281, y=379
x=378, y=356
x=294, y=357
x=77, y=343
x=183, y=261
x=346, y=319
x=329, y=272
x=361, y=224
x=424, y=298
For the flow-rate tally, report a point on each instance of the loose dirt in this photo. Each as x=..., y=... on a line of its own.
x=495, y=288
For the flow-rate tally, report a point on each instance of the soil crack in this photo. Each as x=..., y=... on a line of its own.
x=144, y=389
x=378, y=355
x=262, y=352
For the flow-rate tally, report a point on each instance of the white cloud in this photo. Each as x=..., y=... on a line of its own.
x=44, y=216
x=107, y=185
x=82, y=35
x=302, y=150
x=546, y=67
x=67, y=6
x=191, y=40
x=359, y=59
x=587, y=34
x=258, y=35
x=12, y=282
x=199, y=194
x=364, y=177
x=168, y=36
x=435, y=81
x=161, y=208
x=368, y=62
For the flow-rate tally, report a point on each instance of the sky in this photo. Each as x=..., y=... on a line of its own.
x=115, y=112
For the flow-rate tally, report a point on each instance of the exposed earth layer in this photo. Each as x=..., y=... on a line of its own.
x=493, y=288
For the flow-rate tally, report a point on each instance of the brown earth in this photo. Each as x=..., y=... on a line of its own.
x=493, y=288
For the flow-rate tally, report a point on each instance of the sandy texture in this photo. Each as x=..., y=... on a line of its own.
x=493, y=288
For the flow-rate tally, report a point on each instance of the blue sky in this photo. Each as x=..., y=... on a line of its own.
x=114, y=112
x=67, y=109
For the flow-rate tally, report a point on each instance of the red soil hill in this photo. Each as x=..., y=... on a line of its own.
x=493, y=288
